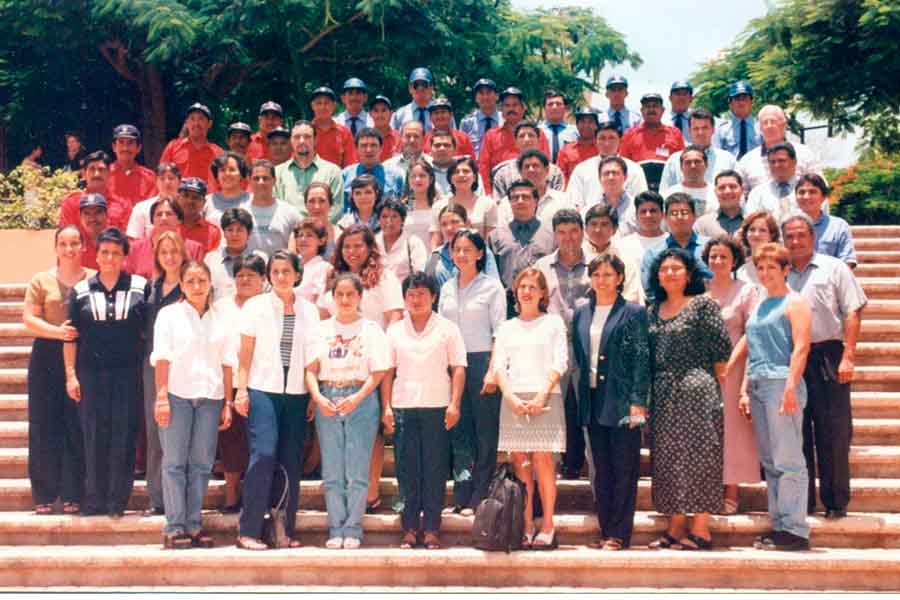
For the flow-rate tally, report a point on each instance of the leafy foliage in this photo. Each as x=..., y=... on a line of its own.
x=30, y=199
x=867, y=192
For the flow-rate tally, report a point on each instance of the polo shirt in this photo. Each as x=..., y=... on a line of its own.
x=833, y=294
x=336, y=145
x=643, y=143
x=191, y=160
x=499, y=145
x=118, y=210
x=694, y=246
x=133, y=185
x=291, y=181
x=464, y=145
x=204, y=233
x=574, y=154
x=475, y=126
x=258, y=148
x=110, y=322
x=519, y=245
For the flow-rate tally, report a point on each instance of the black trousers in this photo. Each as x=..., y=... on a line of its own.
x=55, y=444
x=574, y=457
x=109, y=421
x=617, y=465
x=827, y=426
x=426, y=462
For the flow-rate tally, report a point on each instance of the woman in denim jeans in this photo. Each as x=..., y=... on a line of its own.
x=777, y=340
x=342, y=377
x=193, y=363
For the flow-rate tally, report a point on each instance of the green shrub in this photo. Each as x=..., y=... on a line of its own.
x=868, y=193
x=30, y=199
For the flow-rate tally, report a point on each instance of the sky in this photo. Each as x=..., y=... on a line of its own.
x=675, y=37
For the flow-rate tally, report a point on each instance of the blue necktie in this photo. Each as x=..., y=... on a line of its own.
x=555, y=151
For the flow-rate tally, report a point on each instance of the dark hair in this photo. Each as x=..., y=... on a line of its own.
x=318, y=185
x=432, y=189
x=551, y=93
x=348, y=276
x=814, y=180
x=451, y=171
x=648, y=196
x=567, y=215
x=318, y=230
x=446, y=133
x=613, y=160
x=784, y=147
x=237, y=215
x=458, y=209
x=613, y=261
x=170, y=167
x=608, y=126
x=288, y=256
x=693, y=148
x=527, y=125
x=73, y=227
x=304, y=123
x=681, y=198
x=172, y=204
x=419, y=279
x=253, y=262
x=394, y=205
x=264, y=163
x=111, y=235
x=532, y=153
x=477, y=241
x=728, y=173
x=369, y=132
x=725, y=240
x=364, y=181
x=94, y=157
x=525, y=184
x=196, y=264
x=695, y=285
x=702, y=114
x=599, y=211
x=372, y=270
x=221, y=160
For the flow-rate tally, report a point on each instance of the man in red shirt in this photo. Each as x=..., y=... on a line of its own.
x=127, y=179
x=587, y=122
x=651, y=140
x=238, y=139
x=380, y=111
x=279, y=146
x=194, y=154
x=499, y=143
x=441, y=112
x=95, y=173
x=270, y=116
x=334, y=142
x=91, y=221
x=191, y=198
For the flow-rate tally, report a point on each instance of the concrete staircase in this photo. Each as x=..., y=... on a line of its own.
x=860, y=552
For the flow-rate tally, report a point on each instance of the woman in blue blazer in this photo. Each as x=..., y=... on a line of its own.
x=611, y=348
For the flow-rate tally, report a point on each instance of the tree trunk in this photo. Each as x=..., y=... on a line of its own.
x=153, y=113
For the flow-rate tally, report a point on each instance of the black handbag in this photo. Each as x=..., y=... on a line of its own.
x=274, y=532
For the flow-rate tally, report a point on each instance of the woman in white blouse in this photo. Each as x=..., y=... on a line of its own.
x=530, y=354
x=193, y=357
x=311, y=240
x=482, y=210
x=279, y=330
x=342, y=377
x=421, y=193
x=403, y=253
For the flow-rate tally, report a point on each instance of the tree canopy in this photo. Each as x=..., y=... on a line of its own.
x=90, y=64
x=834, y=59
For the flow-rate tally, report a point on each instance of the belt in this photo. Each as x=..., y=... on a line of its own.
x=341, y=384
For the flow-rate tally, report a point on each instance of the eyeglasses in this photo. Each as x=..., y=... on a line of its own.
x=421, y=85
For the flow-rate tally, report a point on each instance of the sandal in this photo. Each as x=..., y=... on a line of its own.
x=664, y=542
x=452, y=510
x=371, y=507
x=71, y=508
x=729, y=507
x=201, y=539
x=527, y=540
x=295, y=543
x=409, y=540
x=432, y=541
x=597, y=544
x=176, y=541
x=545, y=541
x=695, y=542
x=43, y=509
x=467, y=512
x=612, y=544
x=248, y=543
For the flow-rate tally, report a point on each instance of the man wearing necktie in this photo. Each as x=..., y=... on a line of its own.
x=777, y=196
x=477, y=123
x=421, y=89
x=616, y=92
x=738, y=133
x=354, y=95
x=681, y=94
x=554, y=126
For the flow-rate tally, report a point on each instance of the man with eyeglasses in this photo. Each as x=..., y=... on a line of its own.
x=777, y=196
x=681, y=213
x=421, y=89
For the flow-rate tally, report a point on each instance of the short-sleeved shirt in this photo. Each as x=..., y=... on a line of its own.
x=291, y=181
x=191, y=160
x=133, y=185
x=475, y=126
x=629, y=118
x=204, y=233
x=833, y=294
x=386, y=295
x=140, y=256
x=336, y=145
x=272, y=226
x=499, y=144
x=717, y=160
x=464, y=146
x=507, y=173
x=643, y=143
x=217, y=204
x=518, y=246
x=574, y=154
x=408, y=254
x=482, y=217
x=412, y=112
x=423, y=359
x=50, y=296
x=834, y=238
x=477, y=309
x=728, y=134
x=110, y=322
x=118, y=210
x=351, y=351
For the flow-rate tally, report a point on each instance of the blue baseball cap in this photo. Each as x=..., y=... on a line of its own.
x=126, y=131
x=272, y=107
x=616, y=80
x=192, y=184
x=421, y=74
x=682, y=84
x=323, y=91
x=484, y=82
x=89, y=200
x=440, y=103
x=588, y=111
x=383, y=99
x=512, y=91
x=239, y=126
x=740, y=87
x=354, y=83
x=278, y=132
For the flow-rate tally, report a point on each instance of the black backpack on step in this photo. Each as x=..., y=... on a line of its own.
x=500, y=518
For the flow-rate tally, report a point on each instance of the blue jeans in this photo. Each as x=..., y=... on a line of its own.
x=780, y=442
x=346, y=444
x=189, y=450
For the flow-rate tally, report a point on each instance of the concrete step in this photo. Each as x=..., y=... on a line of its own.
x=875, y=405
x=875, y=231
x=878, y=378
x=13, y=291
x=880, y=269
x=889, y=244
x=11, y=311
x=881, y=308
x=90, y=567
x=873, y=354
x=13, y=381
x=879, y=330
x=14, y=357
x=15, y=334
x=13, y=407
x=857, y=530
x=878, y=256
x=879, y=287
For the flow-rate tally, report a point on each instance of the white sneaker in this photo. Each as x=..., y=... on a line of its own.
x=334, y=543
x=351, y=543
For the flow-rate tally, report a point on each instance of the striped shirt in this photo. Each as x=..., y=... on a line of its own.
x=287, y=339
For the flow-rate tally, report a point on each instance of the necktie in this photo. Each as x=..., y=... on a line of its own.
x=555, y=151
x=742, y=147
x=784, y=188
x=353, y=121
x=488, y=123
x=679, y=122
x=617, y=119
x=422, y=118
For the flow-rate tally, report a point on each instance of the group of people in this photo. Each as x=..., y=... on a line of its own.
x=508, y=286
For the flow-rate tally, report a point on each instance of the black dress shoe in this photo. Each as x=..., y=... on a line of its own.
x=835, y=513
x=788, y=542
x=154, y=511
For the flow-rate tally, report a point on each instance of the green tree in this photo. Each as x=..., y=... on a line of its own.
x=835, y=59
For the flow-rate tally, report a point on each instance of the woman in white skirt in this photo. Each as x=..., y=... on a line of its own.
x=530, y=354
